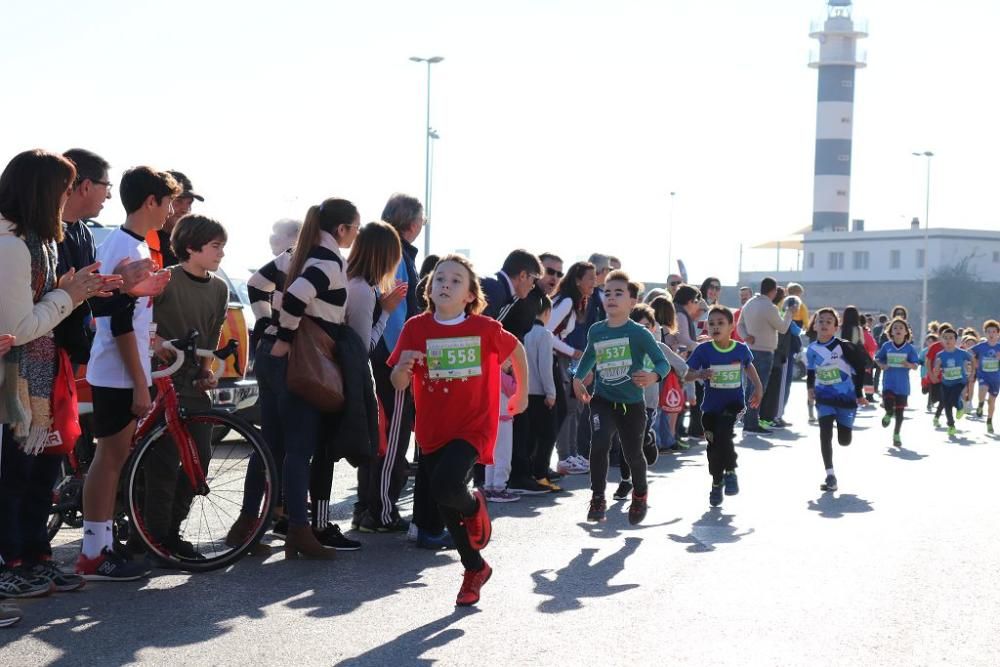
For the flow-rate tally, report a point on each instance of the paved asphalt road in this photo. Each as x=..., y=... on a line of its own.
x=901, y=566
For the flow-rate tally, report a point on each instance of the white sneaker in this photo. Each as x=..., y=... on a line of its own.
x=582, y=462
x=568, y=466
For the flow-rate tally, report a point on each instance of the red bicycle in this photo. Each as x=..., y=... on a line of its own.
x=180, y=495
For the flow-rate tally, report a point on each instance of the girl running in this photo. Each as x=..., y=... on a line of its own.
x=451, y=355
x=895, y=358
x=836, y=370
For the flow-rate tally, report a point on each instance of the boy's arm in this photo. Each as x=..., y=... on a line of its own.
x=519, y=401
x=126, y=346
x=758, y=388
x=545, y=366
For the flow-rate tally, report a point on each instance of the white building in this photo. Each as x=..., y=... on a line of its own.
x=875, y=270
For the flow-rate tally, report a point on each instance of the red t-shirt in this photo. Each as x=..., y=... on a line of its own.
x=456, y=391
x=932, y=353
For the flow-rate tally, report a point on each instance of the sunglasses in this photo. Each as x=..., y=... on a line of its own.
x=552, y=272
x=675, y=283
x=715, y=286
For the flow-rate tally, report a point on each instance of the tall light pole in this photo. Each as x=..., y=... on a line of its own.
x=670, y=236
x=434, y=136
x=427, y=153
x=927, y=223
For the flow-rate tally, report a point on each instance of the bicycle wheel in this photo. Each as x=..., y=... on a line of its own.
x=186, y=530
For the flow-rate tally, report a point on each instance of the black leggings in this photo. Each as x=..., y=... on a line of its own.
x=896, y=404
x=448, y=471
x=628, y=420
x=951, y=397
x=826, y=438
x=721, y=451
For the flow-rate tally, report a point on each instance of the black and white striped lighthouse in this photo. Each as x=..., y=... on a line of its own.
x=836, y=60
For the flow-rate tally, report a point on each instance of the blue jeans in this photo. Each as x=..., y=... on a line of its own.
x=270, y=427
x=289, y=424
x=665, y=436
x=25, y=500
x=762, y=362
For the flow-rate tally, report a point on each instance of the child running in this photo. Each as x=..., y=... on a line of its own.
x=451, y=356
x=895, y=359
x=953, y=368
x=987, y=354
x=721, y=363
x=617, y=347
x=836, y=371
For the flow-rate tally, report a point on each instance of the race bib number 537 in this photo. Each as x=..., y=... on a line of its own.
x=614, y=358
x=454, y=357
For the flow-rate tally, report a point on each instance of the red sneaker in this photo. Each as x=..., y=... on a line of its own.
x=472, y=582
x=478, y=526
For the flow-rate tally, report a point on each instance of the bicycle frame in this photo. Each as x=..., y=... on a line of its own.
x=166, y=412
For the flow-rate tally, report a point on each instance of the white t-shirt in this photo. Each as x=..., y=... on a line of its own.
x=106, y=367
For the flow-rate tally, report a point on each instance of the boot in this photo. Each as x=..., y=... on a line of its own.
x=238, y=534
x=301, y=541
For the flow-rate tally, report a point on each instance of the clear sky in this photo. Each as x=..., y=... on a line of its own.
x=564, y=124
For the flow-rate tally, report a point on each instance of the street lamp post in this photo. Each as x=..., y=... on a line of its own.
x=927, y=223
x=434, y=136
x=427, y=153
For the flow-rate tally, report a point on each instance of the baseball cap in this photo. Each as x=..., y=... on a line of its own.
x=186, y=187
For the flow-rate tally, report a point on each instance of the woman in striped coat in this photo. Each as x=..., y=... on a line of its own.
x=314, y=281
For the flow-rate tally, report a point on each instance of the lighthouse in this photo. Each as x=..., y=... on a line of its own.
x=836, y=59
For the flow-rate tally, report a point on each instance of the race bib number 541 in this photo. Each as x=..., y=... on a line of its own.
x=454, y=357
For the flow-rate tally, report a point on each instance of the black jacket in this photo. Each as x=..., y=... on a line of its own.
x=353, y=433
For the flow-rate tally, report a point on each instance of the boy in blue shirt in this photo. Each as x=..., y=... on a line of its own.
x=836, y=371
x=953, y=368
x=987, y=354
x=616, y=350
x=895, y=358
x=721, y=364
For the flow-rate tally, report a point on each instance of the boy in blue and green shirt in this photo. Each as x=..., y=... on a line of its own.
x=721, y=364
x=616, y=350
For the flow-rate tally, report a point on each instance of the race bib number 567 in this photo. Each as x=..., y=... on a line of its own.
x=454, y=357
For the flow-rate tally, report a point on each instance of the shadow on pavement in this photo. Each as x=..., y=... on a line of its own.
x=583, y=578
x=830, y=506
x=757, y=443
x=617, y=524
x=408, y=647
x=114, y=623
x=712, y=528
x=905, y=454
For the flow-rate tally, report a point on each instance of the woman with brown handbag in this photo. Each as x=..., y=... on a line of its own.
x=315, y=287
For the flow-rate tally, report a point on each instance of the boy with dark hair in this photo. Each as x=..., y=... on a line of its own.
x=721, y=364
x=953, y=369
x=159, y=241
x=987, y=353
x=616, y=351
x=119, y=373
x=195, y=299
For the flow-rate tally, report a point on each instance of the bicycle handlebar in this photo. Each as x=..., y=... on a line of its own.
x=187, y=345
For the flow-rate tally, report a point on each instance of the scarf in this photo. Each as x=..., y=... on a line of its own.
x=30, y=369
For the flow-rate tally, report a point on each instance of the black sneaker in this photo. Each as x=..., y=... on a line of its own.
x=781, y=423
x=637, y=510
x=756, y=429
x=830, y=484
x=280, y=526
x=527, y=487
x=62, y=582
x=715, y=496
x=18, y=583
x=650, y=451
x=623, y=490
x=553, y=476
x=731, y=484
x=598, y=509
x=109, y=566
x=332, y=537
x=370, y=524
x=182, y=549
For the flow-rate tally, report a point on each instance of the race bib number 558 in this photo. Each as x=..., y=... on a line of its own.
x=454, y=357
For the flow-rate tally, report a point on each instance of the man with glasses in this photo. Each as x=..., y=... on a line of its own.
x=553, y=266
